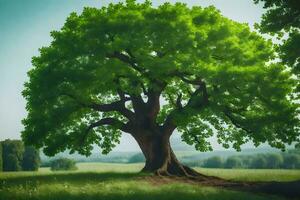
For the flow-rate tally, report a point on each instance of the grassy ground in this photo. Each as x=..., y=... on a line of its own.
x=120, y=181
x=255, y=175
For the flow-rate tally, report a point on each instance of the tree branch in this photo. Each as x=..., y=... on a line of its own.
x=138, y=104
x=106, y=121
x=153, y=96
x=118, y=106
x=126, y=59
x=235, y=122
x=154, y=92
x=153, y=104
x=178, y=101
x=145, y=91
x=194, y=103
x=109, y=121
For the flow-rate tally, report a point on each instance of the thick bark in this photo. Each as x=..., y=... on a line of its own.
x=160, y=158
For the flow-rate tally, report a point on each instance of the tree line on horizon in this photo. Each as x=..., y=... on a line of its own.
x=272, y=160
x=15, y=156
x=280, y=160
x=286, y=160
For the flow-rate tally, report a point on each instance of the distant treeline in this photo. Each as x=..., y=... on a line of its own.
x=14, y=156
x=287, y=160
x=114, y=157
x=63, y=164
x=270, y=160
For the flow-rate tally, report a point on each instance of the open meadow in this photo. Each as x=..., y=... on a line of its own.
x=121, y=181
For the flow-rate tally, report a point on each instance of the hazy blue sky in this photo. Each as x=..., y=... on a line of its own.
x=24, y=28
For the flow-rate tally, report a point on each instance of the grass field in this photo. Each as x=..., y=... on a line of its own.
x=121, y=181
x=256, y=175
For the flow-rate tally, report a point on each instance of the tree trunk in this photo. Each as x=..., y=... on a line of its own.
x=160, y=158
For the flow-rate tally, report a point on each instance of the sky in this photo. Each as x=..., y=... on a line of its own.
x=25, y=27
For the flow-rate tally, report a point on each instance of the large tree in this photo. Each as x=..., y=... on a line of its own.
x=149, y=71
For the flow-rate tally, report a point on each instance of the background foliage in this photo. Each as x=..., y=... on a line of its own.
x=63, y=164
x=31, y=159
x=1, y=159
x=287, y=160
x=16, y=157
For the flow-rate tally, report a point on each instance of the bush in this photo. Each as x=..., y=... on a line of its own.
x=139, y=157
x=63, y=164
x=233, y=162
x=1, y=162
x=31, y=159
x=213, y=162
x=12, y=155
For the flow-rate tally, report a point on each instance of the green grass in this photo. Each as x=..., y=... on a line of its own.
x=82, y=167
x=259, y=175
x=120, y=181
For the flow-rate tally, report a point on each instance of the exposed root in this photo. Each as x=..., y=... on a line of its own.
x=161, y=173
x=185, y=172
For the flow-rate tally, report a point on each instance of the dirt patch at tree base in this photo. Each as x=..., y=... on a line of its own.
x=286, y=189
